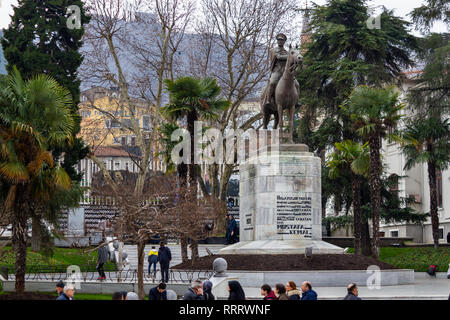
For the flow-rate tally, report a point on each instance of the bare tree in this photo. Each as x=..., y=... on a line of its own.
x=234, y=38
x=134, y=52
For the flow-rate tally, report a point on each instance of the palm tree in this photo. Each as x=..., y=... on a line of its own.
x=429, y=142
x=374, y=111
x=35, y=116
x=192, y=99
x=353, y=156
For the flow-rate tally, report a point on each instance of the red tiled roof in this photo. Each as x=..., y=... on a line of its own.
x=105, y=151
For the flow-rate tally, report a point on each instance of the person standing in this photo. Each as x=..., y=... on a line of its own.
x=267, y=293
x=280, y=292
x=60, y=287
x=292, y=291
x=68, y=293
x=152, y=261
x=227, y=228
x=308, y=292
x=103, y=257
x=158, y=293
x=233, y=230
x=195, y=292
x=207, y=290
x=164, y=257
x=352, y=292
x=236, y=291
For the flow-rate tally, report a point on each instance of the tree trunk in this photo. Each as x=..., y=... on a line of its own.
x=375, y=189
x=365, y=239
x=36, y=234
x=184, y=249
x=140, y=248
x=356, y=185
x=19, y=241
x=194, y=251
x=224, y=179
x=433, y=203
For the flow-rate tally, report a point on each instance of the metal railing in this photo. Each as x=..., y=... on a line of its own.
x=130, y=275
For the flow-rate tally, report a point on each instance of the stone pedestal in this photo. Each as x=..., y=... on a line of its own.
x=280, y=203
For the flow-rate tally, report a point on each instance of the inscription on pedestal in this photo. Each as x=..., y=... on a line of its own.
x=294, y=215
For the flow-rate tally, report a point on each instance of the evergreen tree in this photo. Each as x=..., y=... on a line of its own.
x=38, y=41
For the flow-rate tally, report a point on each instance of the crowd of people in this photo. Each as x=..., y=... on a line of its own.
x=202, y=290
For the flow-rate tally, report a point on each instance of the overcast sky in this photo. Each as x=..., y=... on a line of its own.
x=402, y=8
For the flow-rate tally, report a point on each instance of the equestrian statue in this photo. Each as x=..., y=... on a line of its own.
x=283, y=89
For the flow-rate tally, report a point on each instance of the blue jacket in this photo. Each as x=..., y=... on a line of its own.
x=154, y=294
x=233, y=225
x=309, y=295
x=63, y=296
x=164, y=255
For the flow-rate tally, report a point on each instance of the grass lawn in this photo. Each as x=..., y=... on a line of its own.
x=418, y=259
x=80, y=296
x=62, y=257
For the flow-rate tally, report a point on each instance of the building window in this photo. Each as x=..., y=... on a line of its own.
x=117, y=166
x=133, y=141
x=394, y=233
x=393, y=182
x=439, y=188
x=441, y=233
x=123, y=141
x=109, y=123
x=146, y=123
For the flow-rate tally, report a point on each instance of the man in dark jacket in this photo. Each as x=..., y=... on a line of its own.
x=195, y=292
x=68, y=293
x=227, y=228
x=60, y=287
x=308, y=292
x=352, y=292
x=158, y=293
x=164, y=257
x=233, y=230
x=103, y=257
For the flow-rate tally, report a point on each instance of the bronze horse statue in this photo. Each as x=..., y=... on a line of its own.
x=286, y=95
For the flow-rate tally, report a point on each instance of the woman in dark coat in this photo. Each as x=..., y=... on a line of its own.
x=236, y=291
x=207, y=287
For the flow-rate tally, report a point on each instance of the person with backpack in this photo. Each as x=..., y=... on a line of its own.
x=432, y=270
x=152, y=261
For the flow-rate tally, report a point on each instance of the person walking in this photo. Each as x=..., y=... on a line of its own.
x=103, y=257
x=207, y=290
x=292, y=292
x=352, y=292
x=195, y=292
x=280, y=292
x=308, y=292
x=60, y=287
x=152, y=261
x=158, y=293
x=69, y=292
x=164, y=258
x=236, y=291
x=267, y=293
